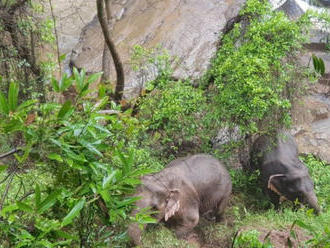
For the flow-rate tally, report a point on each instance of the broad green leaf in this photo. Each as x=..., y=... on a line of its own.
x=90, y=147
x=55, y=156
x=79, y=79
x=3, y=167
x=74, y=212
x=26, y=154
x=4, y=109
x=55, y=85
x=64, y=110
x=24, y=207
x=66, y=235
x=100, y=104
x=108, y=179
x=49, y=201
x=44, y=243
x=105, y=195
x=92, y=78
x=13, y=96
x=26, y=104
x=62, y=57
x=65, y=82
x=26, y=235
x=102, y=90
x=37, y=196
x=56, y=142
x=8, y=209
x=127, y=201
x=14, y=125
x=101, y=128
x=305, y=226
x=100, y=166
x=84, y=90
x=322, y=66
x=127, y=161
x=132, y=181
x=74, y=156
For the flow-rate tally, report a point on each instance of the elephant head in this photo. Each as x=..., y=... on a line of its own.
x=160, y=194
x=294, y=186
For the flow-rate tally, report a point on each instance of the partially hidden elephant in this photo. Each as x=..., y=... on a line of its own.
x=284, y=176
x=187, y=188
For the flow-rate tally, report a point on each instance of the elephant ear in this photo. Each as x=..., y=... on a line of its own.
x=271, y=185
x=172, y=204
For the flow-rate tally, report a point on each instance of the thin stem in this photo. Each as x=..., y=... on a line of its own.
x=6, y=190
x=56, y=37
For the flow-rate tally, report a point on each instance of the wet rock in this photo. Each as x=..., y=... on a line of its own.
x=291, y=9
x=71, y=17
x=311, y=117
x=189, y=30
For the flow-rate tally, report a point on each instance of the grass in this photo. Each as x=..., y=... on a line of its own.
x=250, y=210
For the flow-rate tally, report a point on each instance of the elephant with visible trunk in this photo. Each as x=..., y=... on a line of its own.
x=186, y=188
x=284, y=176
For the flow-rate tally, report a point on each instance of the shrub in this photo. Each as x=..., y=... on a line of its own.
x=254, y=67
x=250, y=239
x=71, y=175
x=172, y=113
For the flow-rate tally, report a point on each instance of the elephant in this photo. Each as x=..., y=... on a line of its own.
x=185, y=189
x=283, y=175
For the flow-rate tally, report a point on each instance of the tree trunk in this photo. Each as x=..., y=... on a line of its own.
x=106, y=52
x=116, y=59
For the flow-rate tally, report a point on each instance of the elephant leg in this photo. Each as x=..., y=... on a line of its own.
x=219, y=216
x=187, y=223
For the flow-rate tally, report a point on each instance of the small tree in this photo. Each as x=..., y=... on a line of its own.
x=116, y=59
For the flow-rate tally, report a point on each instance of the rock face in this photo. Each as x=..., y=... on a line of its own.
x=189, y=30
x=311, y=116
x=71, y=17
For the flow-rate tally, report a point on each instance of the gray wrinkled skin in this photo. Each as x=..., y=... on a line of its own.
x=186, y=188
x=284, y=176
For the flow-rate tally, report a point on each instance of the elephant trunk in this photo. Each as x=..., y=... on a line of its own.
x=134, y=232
x=311, y=201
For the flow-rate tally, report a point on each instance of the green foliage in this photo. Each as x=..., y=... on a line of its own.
x=318, y=64
x=253, y=67
x=250, y=239
x=89, y=169
x=155, y=61
x=22, y=35
x=321, y=176
x=320, y=239
x=173, y=113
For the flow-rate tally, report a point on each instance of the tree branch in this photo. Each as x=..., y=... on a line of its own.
x=9, y=153
x=6, y=190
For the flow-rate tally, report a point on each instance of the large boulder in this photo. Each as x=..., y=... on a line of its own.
x=311, y=117
x=189, y=30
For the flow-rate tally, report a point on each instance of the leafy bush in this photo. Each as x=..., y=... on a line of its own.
x=250, y=239
x=254, y=67
x=71, y=174
x=173, y=113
